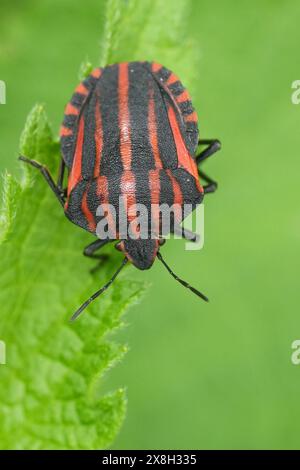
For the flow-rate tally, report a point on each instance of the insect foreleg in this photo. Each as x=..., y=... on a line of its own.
x=213, y=146
x=90, y=250
x=212, y=185
x=45, y=172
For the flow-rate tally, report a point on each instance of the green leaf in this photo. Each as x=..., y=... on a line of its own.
x=85, y=69
x=152, y=30
x=49, y=394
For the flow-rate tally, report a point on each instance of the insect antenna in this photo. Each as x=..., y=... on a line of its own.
x=184, y=283
x=96, y=295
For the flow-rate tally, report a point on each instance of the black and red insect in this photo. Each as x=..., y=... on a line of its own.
x=130, y=129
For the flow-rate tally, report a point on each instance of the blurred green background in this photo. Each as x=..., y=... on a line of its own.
x=199, y=376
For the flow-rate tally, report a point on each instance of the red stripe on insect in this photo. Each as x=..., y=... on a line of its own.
x=191, y=117
x=128, y=188
x=103, y=194
x=172, y=79
x=81, y=89
x=184, y=159
x=86, y=211
x=154, y=185
x=128, y=191
x=102, y=189
x=98, y=138
x=124, y=117
x=75, y=174
x=152, y=127
x=96, y=73
x=156, y=67
x=65, y=131
x=178, y=197
x=70, y=109
x=184, y=96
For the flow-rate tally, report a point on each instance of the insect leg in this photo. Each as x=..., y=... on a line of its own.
x=47, y=176
x=89, y=251
x=213, y=146
x=212, y=185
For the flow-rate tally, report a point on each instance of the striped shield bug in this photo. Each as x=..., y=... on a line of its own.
x=130, y=132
